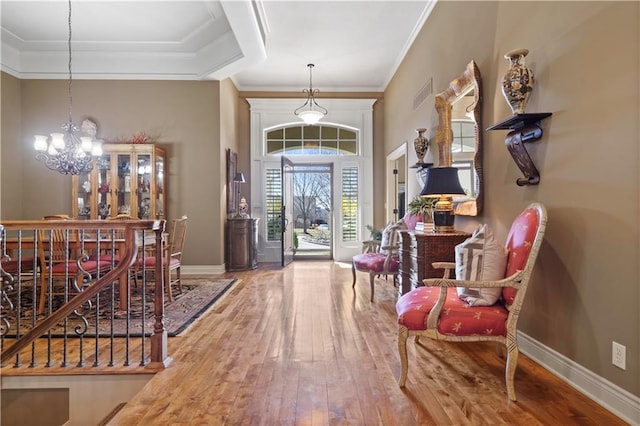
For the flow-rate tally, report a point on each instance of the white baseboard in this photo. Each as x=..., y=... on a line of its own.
x=615, y=399
x=202, y=270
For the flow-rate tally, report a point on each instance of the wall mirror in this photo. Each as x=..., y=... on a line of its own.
x=459, y=136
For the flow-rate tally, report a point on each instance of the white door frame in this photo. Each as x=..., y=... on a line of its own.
x=354, y=113
x=398, y=154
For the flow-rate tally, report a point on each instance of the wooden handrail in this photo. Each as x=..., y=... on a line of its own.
x=159, y=356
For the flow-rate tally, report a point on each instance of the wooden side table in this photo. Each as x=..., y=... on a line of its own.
x=242, y=244
x=418, y=250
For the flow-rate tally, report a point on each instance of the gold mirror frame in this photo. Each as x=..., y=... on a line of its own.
x=469, y=80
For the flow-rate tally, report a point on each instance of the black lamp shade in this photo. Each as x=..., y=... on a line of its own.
x=442, y=181
x=239, y=177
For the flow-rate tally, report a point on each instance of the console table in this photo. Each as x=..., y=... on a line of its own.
x=242, y=244
x=418, y=250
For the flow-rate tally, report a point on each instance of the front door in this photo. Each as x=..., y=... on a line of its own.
x=287, y=223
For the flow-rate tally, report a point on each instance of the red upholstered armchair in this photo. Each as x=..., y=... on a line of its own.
x=376, y=262
x=436, y=311
x=381, y=257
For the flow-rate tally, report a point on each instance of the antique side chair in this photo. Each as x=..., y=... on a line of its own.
x=436, y=311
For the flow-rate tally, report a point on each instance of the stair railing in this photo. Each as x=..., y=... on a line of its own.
x=19, y=245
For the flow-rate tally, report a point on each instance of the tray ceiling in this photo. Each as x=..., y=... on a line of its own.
x=260, y=45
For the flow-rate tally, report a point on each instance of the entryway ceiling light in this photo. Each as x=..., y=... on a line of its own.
x=310, y=112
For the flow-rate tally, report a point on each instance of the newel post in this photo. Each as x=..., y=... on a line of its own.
x=159, y=352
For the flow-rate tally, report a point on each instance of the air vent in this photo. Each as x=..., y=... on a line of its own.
x=423, y=94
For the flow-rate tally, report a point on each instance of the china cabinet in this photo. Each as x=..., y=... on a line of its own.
x=126, y=179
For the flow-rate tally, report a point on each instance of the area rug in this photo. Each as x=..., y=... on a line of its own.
x=199, y=294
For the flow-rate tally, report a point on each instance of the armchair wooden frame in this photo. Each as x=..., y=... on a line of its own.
x=390, y=265
x=518, y=280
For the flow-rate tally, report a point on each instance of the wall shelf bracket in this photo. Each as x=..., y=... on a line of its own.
x=523, y=128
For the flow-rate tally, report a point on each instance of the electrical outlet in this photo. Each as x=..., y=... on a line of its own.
x=619, y=355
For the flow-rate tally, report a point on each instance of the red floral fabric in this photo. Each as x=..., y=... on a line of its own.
x=519, y=241
x=457, y=317
x=375, y=262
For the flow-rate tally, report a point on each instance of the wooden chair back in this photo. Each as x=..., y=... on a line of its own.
x=177, y=236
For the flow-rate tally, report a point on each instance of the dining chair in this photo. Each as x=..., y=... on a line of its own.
x=60, y=259
x=172, y=257
x=117, y=234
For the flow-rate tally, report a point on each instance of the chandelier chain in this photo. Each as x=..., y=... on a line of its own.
x=70, y=73
x=68, y=153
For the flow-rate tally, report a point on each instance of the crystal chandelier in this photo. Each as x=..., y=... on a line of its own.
x=66, y=152
x=310, y=112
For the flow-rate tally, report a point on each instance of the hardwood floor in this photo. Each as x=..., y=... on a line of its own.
x=298, y=346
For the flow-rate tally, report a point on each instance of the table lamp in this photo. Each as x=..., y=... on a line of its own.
x=442, y=183
x=237, y=180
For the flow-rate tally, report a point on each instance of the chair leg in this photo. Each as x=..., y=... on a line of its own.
x=372, y=279
x=510, y=369
x=178, y=280
x=403, y=334
x=353, y=272
x=167, y=283
x=43, y=291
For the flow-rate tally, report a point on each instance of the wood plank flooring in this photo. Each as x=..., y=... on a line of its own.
x=298, y=346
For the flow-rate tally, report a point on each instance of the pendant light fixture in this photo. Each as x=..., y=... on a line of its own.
x=66, y=152
x=310, y=112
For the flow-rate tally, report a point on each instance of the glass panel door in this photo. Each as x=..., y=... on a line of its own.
x=159, y=195
x=287, y=225
x=105, y=186
x=143, y=178
x=83, y=200
x=125, y=185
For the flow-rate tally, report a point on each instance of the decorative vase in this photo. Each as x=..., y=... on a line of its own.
x=421, y=145
x=104, y=210
x=517, y=83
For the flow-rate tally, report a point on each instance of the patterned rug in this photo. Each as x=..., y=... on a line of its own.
x=198, y=295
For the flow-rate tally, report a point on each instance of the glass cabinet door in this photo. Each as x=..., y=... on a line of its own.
x=144, y=185
x=104, y=185
x=83, y=198
x=159, y=195
x=128, y=179
x=125, y=185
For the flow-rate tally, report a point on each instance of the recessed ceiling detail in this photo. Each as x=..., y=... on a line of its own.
x=261, y=45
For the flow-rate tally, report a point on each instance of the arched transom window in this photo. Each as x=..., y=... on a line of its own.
x=311, y=140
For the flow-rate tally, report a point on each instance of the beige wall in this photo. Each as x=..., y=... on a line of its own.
x=585, y=56
x=10, y=147
x=183, y=116
x=229, y=110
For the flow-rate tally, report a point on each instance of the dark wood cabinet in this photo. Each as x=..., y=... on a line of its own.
x=419, y=250
x=242, y=244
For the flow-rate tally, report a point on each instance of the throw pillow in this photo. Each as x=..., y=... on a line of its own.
x=480, y=258
x=411, y=220
x=391, y=235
